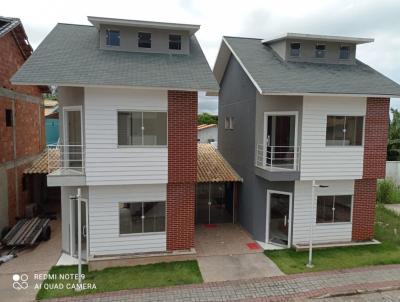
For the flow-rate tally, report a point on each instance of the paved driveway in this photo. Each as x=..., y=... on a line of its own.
x=223, y=254
x=283, y=288
x=37, y=260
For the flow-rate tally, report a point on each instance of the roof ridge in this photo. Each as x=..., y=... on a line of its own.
x=236, y=37
x=64, y=23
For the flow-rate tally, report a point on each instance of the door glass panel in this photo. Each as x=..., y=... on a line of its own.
x=279, y=218
x=281, y=150
x=84, y=230
x=73, y=152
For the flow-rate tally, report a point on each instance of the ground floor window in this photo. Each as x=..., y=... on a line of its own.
x=141, y=217
x=335, y=208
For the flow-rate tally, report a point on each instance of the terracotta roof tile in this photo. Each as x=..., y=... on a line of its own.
x=40, y=166
x=212, y=167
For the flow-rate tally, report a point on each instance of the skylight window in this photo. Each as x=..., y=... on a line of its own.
x=295, y=49
x=344, y=52
x=320, y=51
x=112, y=37
x=144, y=40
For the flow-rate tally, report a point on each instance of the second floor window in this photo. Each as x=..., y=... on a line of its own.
x=175, y=42
x=144, y=40
x=344, y=52
x=331, y=209
x=112, y=37
x=344, y=130
x=142, y=128
x=320, y=51
x=295, y=49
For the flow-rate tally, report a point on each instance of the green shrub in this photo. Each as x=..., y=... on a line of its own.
x=387, y=192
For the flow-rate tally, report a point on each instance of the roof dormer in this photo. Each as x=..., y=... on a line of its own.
x=143, y=36
x=316, y=48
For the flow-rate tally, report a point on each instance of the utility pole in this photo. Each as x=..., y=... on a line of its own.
x=312, y=222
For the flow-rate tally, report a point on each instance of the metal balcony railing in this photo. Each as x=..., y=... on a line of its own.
x=66, y=159
x=278, y=158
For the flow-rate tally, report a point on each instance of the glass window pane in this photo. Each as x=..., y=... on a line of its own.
x=320, y=51
x=113, y=37
x=154, y=216
x=155, y=128
x=130, y=218
x=324, y=209
x=144, y=40
x=175, y=42
x=354, y=130
x=136, y=121
x=344, y=52
x=335, y=130
x=124, y=128
x=342, y=208
x=295, y=49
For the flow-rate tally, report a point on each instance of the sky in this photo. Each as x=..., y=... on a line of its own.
x=264, y=19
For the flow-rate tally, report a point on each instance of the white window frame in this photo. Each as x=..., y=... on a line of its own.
x=334, y=200
x=342, y=59
x=325, y=51
x=345, y=146
x=229, y=123
x=142, y=233
x=290, y=50
x=142, y=146
x=268, y=214
x=119, y=36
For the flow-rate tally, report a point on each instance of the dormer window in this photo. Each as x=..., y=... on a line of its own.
x=295, y=49
x=320, y=51
x=144, y=40
x=112, y=37
x=344, y=52
x=175, y=42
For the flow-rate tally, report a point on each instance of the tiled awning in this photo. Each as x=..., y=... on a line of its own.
x=40, y=166
x=212, y=166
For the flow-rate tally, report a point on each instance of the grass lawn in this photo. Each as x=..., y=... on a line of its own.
x=387, y=231
x=119, y=278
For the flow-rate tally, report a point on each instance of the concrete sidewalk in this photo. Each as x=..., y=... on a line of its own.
x=282, y=288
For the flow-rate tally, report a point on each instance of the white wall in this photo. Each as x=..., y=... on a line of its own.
x=106, y=163
x=209, y=133
x=319, y=161
x=303, y=214
x=104, y=237
x=393, y=171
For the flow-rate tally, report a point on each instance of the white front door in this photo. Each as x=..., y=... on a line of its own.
x=279, y=218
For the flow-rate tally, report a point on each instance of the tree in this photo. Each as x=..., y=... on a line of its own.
x=393, y=149
x=206, y=118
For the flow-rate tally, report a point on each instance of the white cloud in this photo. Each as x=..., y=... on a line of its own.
x=254, y=18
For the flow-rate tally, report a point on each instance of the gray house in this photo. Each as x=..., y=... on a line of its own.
x=296, y=110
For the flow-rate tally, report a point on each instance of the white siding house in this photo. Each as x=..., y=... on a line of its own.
x=322, y=162
x=106, y=162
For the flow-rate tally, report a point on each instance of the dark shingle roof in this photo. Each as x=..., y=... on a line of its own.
x=273, y=75
x=70, y=55
x=7, y=24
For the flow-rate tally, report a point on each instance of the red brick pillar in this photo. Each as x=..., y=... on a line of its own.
x=375, y=146
x=182, y=169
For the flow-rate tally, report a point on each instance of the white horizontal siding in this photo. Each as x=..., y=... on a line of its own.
x=303, y=214
x=319, y=161
x=104, y=237
x=108, y=164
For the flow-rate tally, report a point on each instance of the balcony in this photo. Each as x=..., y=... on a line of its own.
x=67, y=165
x=278, y=163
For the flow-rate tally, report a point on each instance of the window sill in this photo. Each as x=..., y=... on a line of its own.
x=142, y=234
x=333, y=223
x=142, y=146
